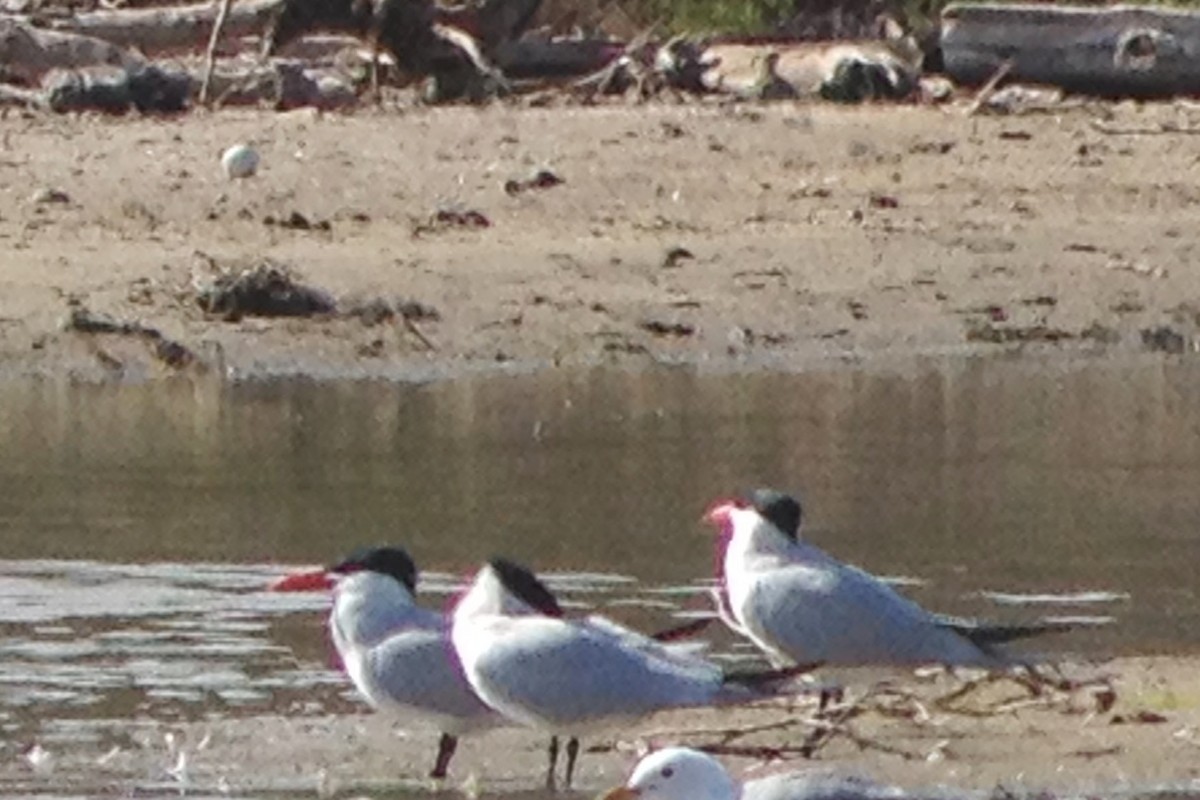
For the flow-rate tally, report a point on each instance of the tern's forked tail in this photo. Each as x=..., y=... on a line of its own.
x=986, y=635
x=750, y=684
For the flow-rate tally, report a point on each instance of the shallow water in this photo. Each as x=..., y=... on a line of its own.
x=139, y=523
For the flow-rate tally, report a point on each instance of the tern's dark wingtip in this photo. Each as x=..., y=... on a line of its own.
x=521, y=582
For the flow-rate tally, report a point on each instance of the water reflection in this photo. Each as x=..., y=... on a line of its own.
x=971, y=474
x=999, y=487
x=139, y=523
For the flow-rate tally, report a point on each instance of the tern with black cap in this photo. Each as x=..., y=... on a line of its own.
x=799, y=604
x=569, y=676
x=398, y=655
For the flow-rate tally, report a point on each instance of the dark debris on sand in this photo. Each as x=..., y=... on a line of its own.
x=170, y=352
x=268, y=290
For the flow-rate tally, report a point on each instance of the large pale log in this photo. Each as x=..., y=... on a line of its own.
x=27, y=53
x=792, y=68
x=169, y=28
x=1114, y=51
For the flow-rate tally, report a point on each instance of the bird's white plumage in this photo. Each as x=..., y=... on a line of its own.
x=572, y=675
x=400, y=657
x=680, y=773
x=799, y=604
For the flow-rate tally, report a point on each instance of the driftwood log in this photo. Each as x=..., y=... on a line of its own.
x=27, y=53
x=1114, y=51
x=422, y=37
x=851, y=71
x=69, y=72
x=168, y=28
x=534, y=58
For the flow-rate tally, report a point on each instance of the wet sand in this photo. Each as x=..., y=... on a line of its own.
x=1147, y=742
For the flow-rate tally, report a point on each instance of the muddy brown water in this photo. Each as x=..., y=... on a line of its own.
x=139, y=523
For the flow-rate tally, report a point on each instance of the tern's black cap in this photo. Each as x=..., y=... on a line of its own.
x=781, y=510
x=393, y=561
x=525, y=585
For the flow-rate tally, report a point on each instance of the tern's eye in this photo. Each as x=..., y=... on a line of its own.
x=667, y=772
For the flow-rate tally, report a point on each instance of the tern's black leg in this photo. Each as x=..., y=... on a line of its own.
x=553, y=751
x=446, y=747
x=829, y=696
x=572, y=754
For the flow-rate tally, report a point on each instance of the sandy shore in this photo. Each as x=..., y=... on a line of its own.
x=998, y=738
x=726, y=235
x=714, y=235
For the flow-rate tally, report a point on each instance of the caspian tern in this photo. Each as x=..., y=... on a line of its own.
x=797, y=603
x=680, y=773
x=525, y=660
x=398, y=655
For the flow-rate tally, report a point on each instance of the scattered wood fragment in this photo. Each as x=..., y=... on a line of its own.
x=172, y=353
x=449, y=218
x=1042, y=690
x=542, y=179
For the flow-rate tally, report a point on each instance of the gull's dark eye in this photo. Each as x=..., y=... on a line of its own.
x=667, y=772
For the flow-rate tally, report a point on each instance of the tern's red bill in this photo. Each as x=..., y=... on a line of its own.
x=622, y=793
x=317, y=580
x=718, y=513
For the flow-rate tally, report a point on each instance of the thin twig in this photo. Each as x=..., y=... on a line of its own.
x=412, y=328
x=1164, y=129
x=989, y=88
x=210, y=56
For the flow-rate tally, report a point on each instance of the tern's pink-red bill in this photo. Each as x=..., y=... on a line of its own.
x=317, y=580
x=718, y=512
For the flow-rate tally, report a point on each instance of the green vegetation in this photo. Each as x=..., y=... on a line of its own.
x=771, y=16
x=726, y=16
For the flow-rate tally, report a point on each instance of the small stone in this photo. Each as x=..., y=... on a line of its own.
x=240, y=161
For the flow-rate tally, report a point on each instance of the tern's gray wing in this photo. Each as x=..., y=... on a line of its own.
x=564, y=675
x=415, y=672
x=819, y=786
x=832, y=786
x=838, y=615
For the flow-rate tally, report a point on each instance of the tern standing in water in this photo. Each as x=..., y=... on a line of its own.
x=398, y=655
x=525, y=660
